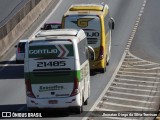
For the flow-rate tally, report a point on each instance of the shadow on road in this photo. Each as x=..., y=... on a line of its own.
x=13, y=108
x=12, y=72
x=45, y=113
x=7, y=62
x=18, y=108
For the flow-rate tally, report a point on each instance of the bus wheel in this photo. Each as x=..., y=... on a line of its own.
x=103, y=70
x=107, y=61
x=79, y=109
x=17, y=62
x=86, y=102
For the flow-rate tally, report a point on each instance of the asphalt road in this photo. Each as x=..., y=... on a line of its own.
x=147, y=37
x=12, y=86
x=8, y=8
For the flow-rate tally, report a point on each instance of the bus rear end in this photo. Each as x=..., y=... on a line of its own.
x=50, y=75
x=92, y=25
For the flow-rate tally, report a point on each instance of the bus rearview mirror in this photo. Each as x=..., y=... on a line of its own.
x=112, y=23
x=91, y=53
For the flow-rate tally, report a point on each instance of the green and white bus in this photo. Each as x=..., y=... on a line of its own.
x=57, y=71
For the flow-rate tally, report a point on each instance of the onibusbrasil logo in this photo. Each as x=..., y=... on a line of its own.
x=21, y=115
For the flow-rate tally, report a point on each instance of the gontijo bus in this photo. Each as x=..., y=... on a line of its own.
x=57, y=72
x=95, y=20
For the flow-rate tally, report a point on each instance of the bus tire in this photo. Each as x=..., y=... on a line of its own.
x=79, y=109
x=102, y=70
x=86, y=102
x=17, y=62
x=107, y=61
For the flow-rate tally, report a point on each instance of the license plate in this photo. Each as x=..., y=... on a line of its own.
x=52, y=101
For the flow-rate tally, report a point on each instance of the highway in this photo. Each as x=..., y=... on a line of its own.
x=147, y=38
x=125, y=13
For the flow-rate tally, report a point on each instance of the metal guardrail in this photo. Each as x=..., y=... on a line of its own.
x=17, y=17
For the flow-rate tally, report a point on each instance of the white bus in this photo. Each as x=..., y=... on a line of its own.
x=57, y=71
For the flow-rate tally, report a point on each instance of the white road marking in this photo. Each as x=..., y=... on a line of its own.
x=132, y=35
x=130, y=40
x=140, y=15
x=107, y=87
x=134, y=30
x=136, y=85
x=148, y=64
x=131, y=94
x=142, y=69
x=135, y=80
x=132, y=100
x=138, y=76
x=126, y=49
x=122, y=88
x=136, y=25
x=103, y=109
x=144, y=5
x=128, y=106
x=140, y=73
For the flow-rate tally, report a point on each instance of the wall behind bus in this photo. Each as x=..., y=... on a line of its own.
x=17, y=25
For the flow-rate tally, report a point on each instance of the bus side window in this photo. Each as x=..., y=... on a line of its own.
x=82, y=51
x=106, y=21
x=86, y=49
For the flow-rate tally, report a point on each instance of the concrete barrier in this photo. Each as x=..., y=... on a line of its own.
x=22, y=26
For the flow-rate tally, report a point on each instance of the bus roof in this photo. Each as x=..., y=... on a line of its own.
x=58, y=35
x=58, y=40
x=57, y=32
x=90, y=9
